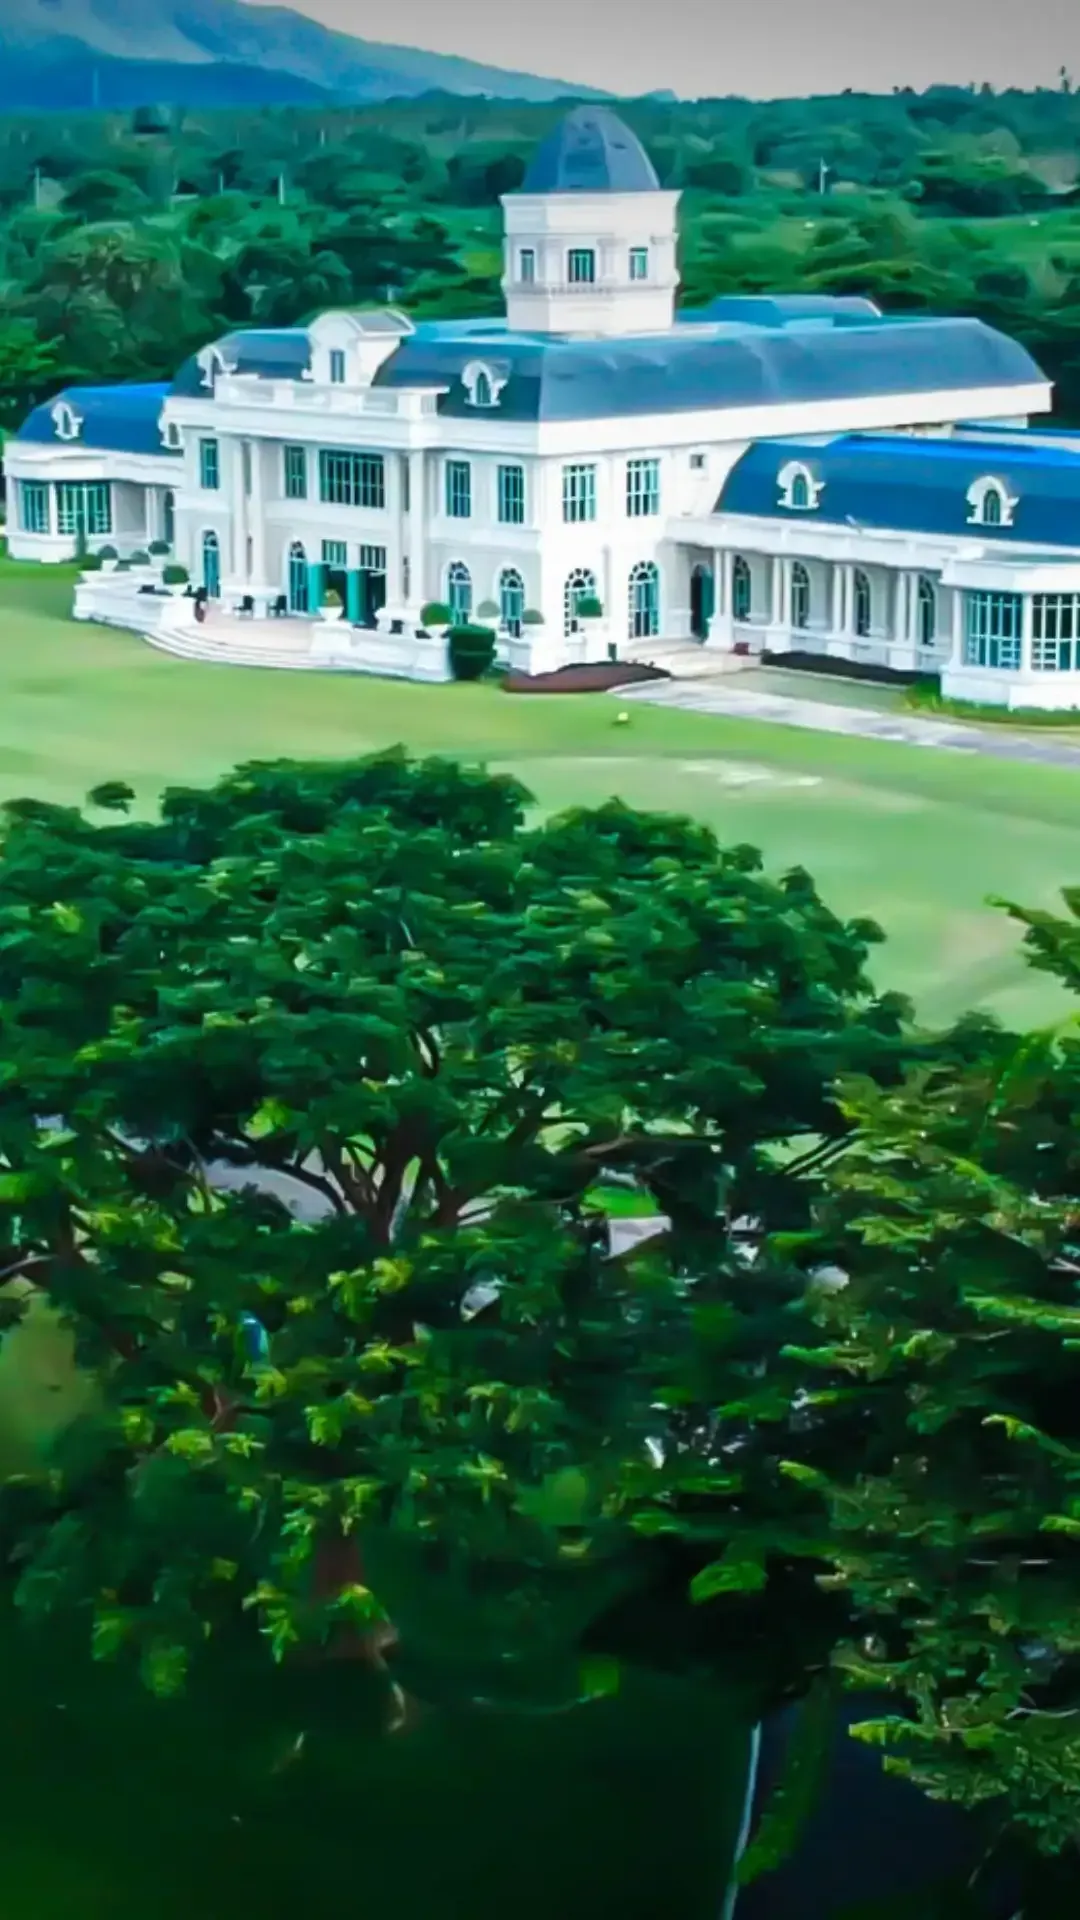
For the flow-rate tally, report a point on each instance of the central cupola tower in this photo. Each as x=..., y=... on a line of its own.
x=590, y=245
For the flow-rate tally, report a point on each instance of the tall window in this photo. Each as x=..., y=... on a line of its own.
x=579, y=493
x=991, y=508
x=482, y=395
x=992, y=630
x=800, y=597
x=296, y=473
x=511, y=600
x=459, y=591
x=527, y=266
x=1055, y=631
x=211, y=564
x=352, y=479
x=581, y=266
x=644, y=601
x=512, y=496
x=742, y=589
x=927, y=611
x=299, y=586
x=864, y=605
x=639, y=263
x=799, y=494
x=642, y=487
x=458, y=489
x=209, y=466
x=335, y=555
x=33, y=498
x=337, y=366
x=83, y=507
x=580, y=585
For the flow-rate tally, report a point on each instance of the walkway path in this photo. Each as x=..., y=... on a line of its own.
x=737, y=703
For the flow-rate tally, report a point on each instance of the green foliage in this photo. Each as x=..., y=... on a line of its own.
x=797, y=1793
x=331, y=597
x=472, y=651
x=435, y=614
x=158, y=547
x=589, y=607
x=532, y=617
x=378, y=989
x=140, y=558
x=174, y=575
x=105, y=553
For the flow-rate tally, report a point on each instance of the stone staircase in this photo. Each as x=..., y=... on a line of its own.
x=685, y=659
x=243, y=643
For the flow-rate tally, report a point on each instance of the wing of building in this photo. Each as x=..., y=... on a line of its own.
x=598, y=467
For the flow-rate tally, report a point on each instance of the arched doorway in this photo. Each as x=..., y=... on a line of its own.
x=580, y=585
x=211, y=565
x=800, y=597
x=299, y=590
x=511, y=600
x=702, y=600
x=864, y=604
x=644, y=601
x=927, y=611
x=459, y=592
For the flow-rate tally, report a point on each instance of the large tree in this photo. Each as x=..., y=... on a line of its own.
x=382, y=988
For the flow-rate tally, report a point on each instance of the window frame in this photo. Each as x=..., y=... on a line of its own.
x=578, y=259
x=510, y=491
x=337, y=366
x=992, y=643
x=638, y=259
x=348, y=478
x=295, y=472
x=209, y=464
x=457, y=489
x=38, y=491
x=643, y=487
x=579, y=492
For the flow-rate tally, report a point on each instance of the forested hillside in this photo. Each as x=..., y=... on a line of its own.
x=125, y=242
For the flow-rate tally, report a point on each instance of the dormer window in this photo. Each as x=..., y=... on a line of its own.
x=799, y=491
x=639, y=263
x=581, y=267
x=483, y=384
x=990, y=503
x=172, y=436
x=527, y=266
x=337, y=366
x=66, y=421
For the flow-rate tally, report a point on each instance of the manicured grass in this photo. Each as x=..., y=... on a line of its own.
x=915, y=838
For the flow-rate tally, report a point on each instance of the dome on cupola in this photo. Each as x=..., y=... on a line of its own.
x=591, y=151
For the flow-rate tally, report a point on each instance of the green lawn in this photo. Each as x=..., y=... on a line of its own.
x=916, y=838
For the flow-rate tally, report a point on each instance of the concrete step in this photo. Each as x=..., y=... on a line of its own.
x=231, y=653
x=685, y=659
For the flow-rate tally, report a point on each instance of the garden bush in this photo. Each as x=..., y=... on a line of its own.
x=472, y=651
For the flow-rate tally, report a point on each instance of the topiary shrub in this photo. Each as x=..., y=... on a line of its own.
x=435, y=614
x=103, y=554
x=332, y=598
x=175, y=575
x=140, y=558
x=472, y=651
x=531, y=618
x=158, y=547
x=488, y=610
x=122, y=566
x=589, y=607
x=91, y=563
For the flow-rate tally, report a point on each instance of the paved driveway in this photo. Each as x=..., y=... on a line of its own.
x=736, y=703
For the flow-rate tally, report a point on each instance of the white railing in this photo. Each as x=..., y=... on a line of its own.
x=306, y=396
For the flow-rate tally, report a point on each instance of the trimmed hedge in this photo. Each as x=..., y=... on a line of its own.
x=472, y=651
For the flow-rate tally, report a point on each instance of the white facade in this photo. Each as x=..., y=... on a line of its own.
x=290, y=463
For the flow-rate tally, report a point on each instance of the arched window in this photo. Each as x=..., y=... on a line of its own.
x=800, y=490
x=211, y=564
x=644, y=600
x=459, y=591
x=580, y=585
x=481, y=394
x=927, y=611
x=511, y=600
x=168, y=516
x=299, y=591
x=864, y=604
x=990, y=503
x=800, y=596
x=742, y=589
x=991, y=508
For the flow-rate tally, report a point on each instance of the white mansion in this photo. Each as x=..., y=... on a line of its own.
x=594, y=468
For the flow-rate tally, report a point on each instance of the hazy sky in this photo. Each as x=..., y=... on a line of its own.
x=756, y=47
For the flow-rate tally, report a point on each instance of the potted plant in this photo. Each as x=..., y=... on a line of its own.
x=436, y=616
x=531, y=618
x=158, y=549
x=489, y=610
x=91, y=563
x=140, y=558
x=106, y=558
x=331, y=608
x=588, y=607
x=472, y=651
x=176, y=577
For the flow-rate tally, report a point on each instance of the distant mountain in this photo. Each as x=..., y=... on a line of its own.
x=121, y=53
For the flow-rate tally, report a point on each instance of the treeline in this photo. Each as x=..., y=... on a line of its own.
x=127, y=242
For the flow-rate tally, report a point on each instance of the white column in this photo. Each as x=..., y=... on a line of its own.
x=956, y=658
x=780, y=600
x=722, y=632
x=415, y=531
x=256, y=520
x=1027, y=627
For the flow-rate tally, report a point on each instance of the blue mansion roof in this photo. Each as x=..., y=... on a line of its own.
x=916, y=485
x=591, y=151
x=705, y=364
x=275, y=353
x=115, y=419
